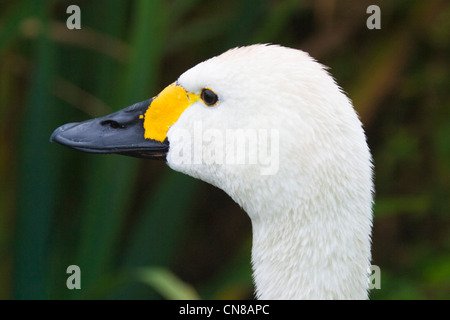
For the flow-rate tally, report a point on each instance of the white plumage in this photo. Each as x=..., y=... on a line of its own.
x=312, y=219
x=303, y=170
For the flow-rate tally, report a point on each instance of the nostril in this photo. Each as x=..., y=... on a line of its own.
x=113, y=124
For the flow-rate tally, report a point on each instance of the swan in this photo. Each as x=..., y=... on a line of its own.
x=309, y=194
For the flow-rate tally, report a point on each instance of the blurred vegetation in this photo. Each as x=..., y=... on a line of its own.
x=140, y=231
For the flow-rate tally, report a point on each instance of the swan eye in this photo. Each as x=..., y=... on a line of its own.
x=209, y=97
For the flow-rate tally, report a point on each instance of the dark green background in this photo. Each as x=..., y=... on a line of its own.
x=137, y=229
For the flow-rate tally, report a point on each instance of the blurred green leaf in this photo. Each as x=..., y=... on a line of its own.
x=277, y=21
x=38, y=174
x=11, y=23
x=166, y=284
x=385, y=206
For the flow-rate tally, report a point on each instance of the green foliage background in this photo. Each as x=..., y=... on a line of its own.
x=140, y=231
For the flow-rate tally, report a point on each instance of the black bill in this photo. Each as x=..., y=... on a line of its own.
x=121, y=132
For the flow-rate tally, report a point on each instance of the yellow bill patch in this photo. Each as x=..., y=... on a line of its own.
x=165, y=110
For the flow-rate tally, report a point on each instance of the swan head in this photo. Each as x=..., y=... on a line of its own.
x=269, y=126
x=276, y=115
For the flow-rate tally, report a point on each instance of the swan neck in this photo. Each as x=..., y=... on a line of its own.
x=304, y=256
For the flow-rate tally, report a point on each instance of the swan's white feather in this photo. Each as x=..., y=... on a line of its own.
x=312, y=219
